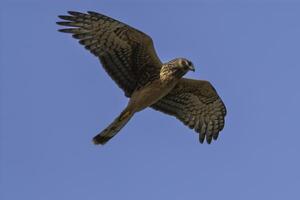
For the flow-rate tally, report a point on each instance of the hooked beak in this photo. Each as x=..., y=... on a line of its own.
x=192, y=68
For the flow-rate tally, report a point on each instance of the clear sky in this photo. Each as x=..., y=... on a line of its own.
x=55, y=97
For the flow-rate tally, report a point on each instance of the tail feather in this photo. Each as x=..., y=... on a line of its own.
x=113, y=128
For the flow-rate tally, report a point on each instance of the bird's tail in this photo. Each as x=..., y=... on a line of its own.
x=113, y=128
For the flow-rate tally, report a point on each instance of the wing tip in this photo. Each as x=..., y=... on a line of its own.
x=75, y=13
x=66, y=30
x=209, y=139
x=201, y=138
x=216, y=135
x=92, y=12
x=62, y=23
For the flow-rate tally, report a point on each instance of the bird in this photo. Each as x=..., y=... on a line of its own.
x=129, y=57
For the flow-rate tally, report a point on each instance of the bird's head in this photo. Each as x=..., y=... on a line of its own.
x=185, y=64
x=180, y=66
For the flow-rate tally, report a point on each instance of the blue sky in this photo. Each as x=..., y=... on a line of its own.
x=55, y=96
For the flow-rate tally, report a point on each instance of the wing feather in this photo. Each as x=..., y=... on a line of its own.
x=125, y=52
x=197, y=104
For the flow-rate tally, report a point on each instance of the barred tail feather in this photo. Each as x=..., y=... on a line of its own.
x=113, y=128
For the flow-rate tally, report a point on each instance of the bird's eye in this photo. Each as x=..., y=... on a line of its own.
x=186, y=63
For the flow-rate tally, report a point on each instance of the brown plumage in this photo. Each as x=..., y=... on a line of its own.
x=129, y=57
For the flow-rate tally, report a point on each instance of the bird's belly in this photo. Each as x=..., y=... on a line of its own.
x=150, y=94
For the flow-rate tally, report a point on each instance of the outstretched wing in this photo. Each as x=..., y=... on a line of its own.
x=197, y=104
x=127, y=54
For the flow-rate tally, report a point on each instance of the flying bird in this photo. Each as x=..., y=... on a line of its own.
x=129, y=57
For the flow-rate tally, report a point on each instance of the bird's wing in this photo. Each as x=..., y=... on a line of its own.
x=197, y=104
x=125, y=52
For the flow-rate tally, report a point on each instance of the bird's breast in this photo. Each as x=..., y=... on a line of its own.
x=150, y=94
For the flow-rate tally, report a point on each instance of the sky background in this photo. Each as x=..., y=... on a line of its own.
x=55, y=96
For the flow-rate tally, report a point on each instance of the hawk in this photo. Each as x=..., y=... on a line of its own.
x=129, y=57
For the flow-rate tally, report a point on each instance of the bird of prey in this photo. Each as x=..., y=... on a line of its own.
x=129, y=57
